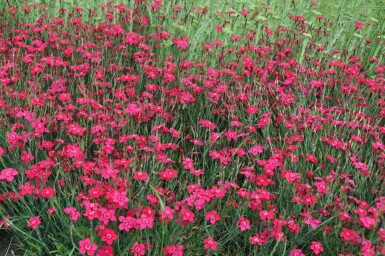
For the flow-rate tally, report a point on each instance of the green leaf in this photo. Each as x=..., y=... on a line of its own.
x=228, y=31
x=316, y=12
x=260, y=17
x=166, y=43
x=358, y=35
x=374, y=19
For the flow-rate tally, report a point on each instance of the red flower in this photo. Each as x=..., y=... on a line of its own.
x=133, y=38
x=166, y=214
x=108, y=236
x=296, y=252
x=266, y=215
x=107, y=215
x=173, y=250
x=259, y=239
x=210, y=243
x=181, y=43
x=142, y=176
x=358, y=25
x=105, y=250
x=34, y=222
x=168, y=174
x=47, y=192
x=245, y=12
x=51, y=211
x=348, y=235
x=26, y=157
x=187, y=215
x=256, y=150
x=316, y=247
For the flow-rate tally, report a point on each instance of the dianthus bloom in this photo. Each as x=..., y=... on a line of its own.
x=316, y=247
x=105, y=250
x=173, y=250
x=87, y=247
x=138, y=249
x=358, y=25
x=181, y=43
x=8, y=174
x=296, y=252
x=120, y=198
x=213, y=216
x=210, y=243
x=243, y=223
x=34, y=222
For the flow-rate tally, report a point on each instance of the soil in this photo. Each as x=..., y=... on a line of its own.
x=7, y=245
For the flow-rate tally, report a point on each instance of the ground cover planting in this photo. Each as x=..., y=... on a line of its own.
x=192, y=127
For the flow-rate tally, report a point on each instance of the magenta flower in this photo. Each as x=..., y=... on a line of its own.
x=87, y=247
x=8, y=174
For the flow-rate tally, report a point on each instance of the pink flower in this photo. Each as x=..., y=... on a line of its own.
x=259, y=238
x=47, y=192
x=358, y=25
x=296, y=252
x=368, y=222
x=316, y=247
x=8, y=174
x=105, y=250
x=51, y=211
x=290, y=176
x=213, y=216
x=256, y=150
x=243, y=223
x=145, y=221
x=120, y=198
x=210, y=243
x=348, y=235
x=107, y=215
x=187, y=215
x=72, y=212
x=34, y=222
x=245, y=12
x=110, y=172
x=26, y=157
x=138, y=249
x=207, y=124
x=266, y=215
x=87, y=247
x=181, y=43
x=126, y=223
x=173, y=250
x=166, y=214
x=142, y=176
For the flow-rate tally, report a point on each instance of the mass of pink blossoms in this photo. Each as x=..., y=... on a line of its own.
x=122, y=134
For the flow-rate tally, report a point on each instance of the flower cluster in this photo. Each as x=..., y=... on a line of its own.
x=124, y=134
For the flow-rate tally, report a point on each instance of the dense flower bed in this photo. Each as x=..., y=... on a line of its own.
x=125, y=136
